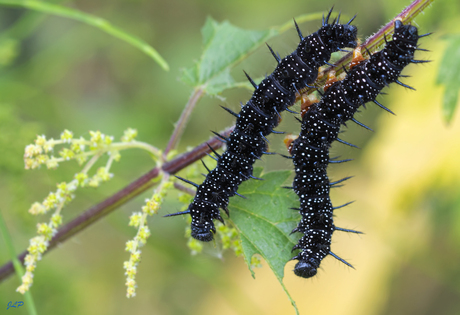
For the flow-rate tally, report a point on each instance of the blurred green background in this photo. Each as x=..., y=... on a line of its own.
x=65, y=74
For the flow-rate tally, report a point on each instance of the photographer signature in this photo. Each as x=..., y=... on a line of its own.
x=16, y=304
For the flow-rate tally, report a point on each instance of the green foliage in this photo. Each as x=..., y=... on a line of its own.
x=448, y=76
x=8, y=51
x=224, y=46
x=89, y=19
x=265, y=221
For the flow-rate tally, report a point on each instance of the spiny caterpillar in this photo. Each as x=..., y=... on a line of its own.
x=257, y=119
x=320, y=127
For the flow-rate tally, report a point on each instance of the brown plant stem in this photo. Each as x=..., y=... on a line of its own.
x=184, y=189
x=121, y=197
x=182, y=122
x=373, y=42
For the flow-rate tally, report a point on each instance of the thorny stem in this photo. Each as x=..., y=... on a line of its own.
x=129, y=192
x=374, y=41
x=406, y=16
x=182, y=122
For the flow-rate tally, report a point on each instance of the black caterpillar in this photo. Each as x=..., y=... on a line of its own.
x=320, y=127
x=257, y=119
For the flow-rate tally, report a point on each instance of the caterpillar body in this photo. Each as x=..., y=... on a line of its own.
x=257, y=119
x=320, y=127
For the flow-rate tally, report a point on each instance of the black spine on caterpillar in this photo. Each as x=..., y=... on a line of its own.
x=257, y=119
x=320, y=127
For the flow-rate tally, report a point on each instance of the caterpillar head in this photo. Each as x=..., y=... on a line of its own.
x=406, y=33
x=316, y=49
x=345, y=35
x=202, y=232
x=337, y=36
x=202, y=225
x=400, y=51
x=306, y=268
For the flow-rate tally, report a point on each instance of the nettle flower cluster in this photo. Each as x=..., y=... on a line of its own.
x=86, y=152
x=139, y=220
x=52, y=152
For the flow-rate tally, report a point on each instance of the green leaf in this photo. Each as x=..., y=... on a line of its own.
x=265, y=221
x=190, y=76
x=449, y=78
x=224, y=46
x=89, y=19
x=25, y=24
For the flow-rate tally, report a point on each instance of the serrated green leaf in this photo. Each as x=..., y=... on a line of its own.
x=248, y=251
x=264, y=221
x=224, y=46
x=208, y=31
x=449, y=78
